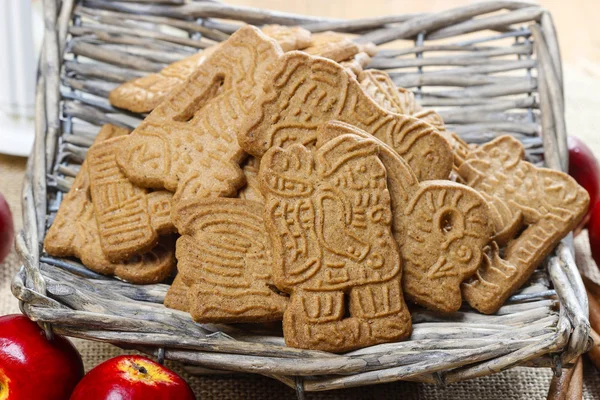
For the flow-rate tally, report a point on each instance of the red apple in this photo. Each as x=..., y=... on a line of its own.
x=584, y=167
x=7, y=230
x=32, y=367
x=594, y=233
x=132, y=378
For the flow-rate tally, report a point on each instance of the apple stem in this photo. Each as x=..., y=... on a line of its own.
x=140, y=368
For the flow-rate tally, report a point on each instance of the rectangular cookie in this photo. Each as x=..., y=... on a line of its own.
x=121, y=208
x=74, y=232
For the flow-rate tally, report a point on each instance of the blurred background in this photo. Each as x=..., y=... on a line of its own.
x=21, y=33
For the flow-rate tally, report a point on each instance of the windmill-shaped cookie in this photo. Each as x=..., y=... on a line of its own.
x=188, y=143
x=304, y=92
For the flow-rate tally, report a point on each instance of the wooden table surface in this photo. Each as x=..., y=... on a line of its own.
x=576, y=20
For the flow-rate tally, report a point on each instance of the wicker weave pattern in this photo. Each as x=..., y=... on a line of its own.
x=508, y=79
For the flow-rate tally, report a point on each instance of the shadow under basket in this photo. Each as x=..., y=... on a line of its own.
x=489, y=68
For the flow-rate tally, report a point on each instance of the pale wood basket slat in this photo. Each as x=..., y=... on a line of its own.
x=489, y=68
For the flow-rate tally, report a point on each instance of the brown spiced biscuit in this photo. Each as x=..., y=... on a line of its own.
x=74, y=232
x=76, y=211
x=384, y=92
x=305, y=92
x=329, y=219
x=224, y=256
x=548, y=204
x=159, y=208
x=441, y=227
x=146, y=93
x=356, y=64
x=332, y=45
x=177, y=295
x=129, y=218
x=252, y=189
x=143, y=94
x=188, y=143
x=289, y=37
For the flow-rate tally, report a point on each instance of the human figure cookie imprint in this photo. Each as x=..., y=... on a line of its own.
x=75, y=232
x=548, y=204
x=441, y=227
x=329, y=219
x=305, y=92
x=188, y=143
x=146, y=93
x=225, y=257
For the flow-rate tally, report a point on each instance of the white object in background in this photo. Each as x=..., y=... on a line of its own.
x=17, y=77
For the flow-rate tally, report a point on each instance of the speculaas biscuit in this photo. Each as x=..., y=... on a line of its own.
x=545, y=204
x=74, y=232
x=289, y=37
x=304, y=92
x=384, y=92
x=329, y=219
x=143, y=94
x=146, y=93
x=188, y=143
x=441, y=227
x=252, y=189
x=356, y=64
x=124, y=211
x=177, y=295
x=224, y=257
x=332, y=45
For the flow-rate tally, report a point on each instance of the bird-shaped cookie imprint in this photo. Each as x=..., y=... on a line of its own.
x=224, y=256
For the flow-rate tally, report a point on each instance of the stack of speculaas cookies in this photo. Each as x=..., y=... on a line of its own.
x=307, y=190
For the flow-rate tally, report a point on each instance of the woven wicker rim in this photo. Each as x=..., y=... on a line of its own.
x=119, y=40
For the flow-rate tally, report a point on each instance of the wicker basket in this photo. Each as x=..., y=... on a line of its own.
x=488, y=68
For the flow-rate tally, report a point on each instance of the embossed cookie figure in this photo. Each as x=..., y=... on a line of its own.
x=188, y=145
x=304, y=92
x=224, y=255
x=441, y=227
x=543, y=204
x=145, y=93
x=380, y=87
x=328, y=216
x=75, y=231
x=129, y=218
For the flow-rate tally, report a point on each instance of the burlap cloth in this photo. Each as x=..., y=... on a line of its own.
x=583, y=105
